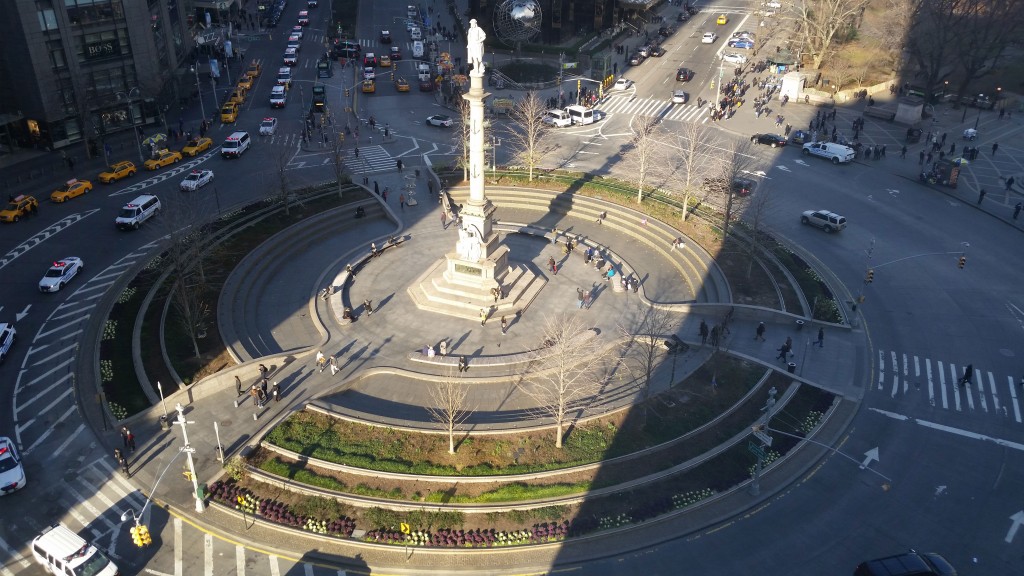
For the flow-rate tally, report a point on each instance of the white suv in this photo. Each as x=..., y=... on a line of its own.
x=827, y=221
x=7, y=336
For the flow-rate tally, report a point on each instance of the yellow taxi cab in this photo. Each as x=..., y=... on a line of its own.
x=722, y=20
x=163, y=158
x=401, y=84
x=19, y=206
x=117, y=171
x=237, y=96
x=70, y=189
x=197, y=145
x=385, y=61
x=229, y=113
x=369, y=87
x=245, y=82
x=254, y=70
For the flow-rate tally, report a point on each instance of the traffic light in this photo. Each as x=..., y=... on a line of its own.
x=348, y=92
x=870, y=277
x=963, y=262
x=136, y=532
x=144, y=536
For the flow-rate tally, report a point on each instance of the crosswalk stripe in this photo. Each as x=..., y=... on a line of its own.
x=981, y=389
x=1013, y=396
x=208, y=553
x=177, y=547
x=275, y=570
x=239, y=561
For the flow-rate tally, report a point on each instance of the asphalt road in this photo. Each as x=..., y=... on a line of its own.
x=949, y=455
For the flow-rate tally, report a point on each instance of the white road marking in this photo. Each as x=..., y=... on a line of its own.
x=1013, y=396
x=239, y=561
x=951, y=430
x=931, y=383
x=177, y=547
x=208, y=554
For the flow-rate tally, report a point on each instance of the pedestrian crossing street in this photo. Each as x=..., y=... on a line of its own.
x=661, y=109
x=988, y=393
x=95, y=496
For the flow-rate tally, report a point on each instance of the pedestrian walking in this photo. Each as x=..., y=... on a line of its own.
x=903, y=152
x=760, y=332
x=579, y=297
x=789, y=342
x=715, y=332
x=995, y=147
x=922, y=158
x=276, y=392
x=943, y=139
x=821, y=338
x=238, y=385
x=122, y=462
x=443, y=348
x=966, y=378
x=1016, y=210
x=952, y=148
x=334, y=365
x=254, y=391
x=357, y=156
x=703, y=331
x=1009, y=183
x=588, y=299
x=551, y=264
x=483, y=316
x=883, y=150
x=368, y=306
x=125, y=434
x=783, y=352
x=320, y=359
x=463, y=366
x=554, y=235
x=384, y=194
x=504, y=326
x=401, y=201
x=981, y=196
x=398, y=164
x=430, y=351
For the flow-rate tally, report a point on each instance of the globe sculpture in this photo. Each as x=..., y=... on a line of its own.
x=516, y=21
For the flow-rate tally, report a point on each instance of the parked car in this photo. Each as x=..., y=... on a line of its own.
x=71, y=189
x=622, y=84
x=734, y=58
x=909, y=564
x=741, y=43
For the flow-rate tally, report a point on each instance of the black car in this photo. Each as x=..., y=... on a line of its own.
x=665, y=31
x=385, y=37
x=682, y=17
x=773, y=140
x=910, y=564
x=740, y=186
x=636, y=60
x=684, y=75
x=657, y=51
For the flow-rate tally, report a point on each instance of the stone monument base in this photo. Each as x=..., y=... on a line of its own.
x=436, y=291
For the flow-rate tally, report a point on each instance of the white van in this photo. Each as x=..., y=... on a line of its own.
x=235, y=145
x=62, y=551
x=557, y=118
x=423, y=72
x=417, y=49
x=134, y=213
x=582, y=116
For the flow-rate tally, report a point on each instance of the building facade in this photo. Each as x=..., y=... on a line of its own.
x=76, y=71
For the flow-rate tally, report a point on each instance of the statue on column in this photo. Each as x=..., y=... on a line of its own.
x=475, y=47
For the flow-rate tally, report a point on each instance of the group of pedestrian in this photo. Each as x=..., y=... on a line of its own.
x=584, y=298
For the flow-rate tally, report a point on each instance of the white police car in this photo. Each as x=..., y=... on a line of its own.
x=60, y=274
x=196, y=179
x=12, y=475
x=268, y=126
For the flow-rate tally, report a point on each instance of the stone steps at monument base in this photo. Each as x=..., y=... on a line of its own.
x=431, y=293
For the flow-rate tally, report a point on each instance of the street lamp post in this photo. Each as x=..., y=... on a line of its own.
x=199, y=90
x=495, y=142
x=188, y=450
x=131, y=116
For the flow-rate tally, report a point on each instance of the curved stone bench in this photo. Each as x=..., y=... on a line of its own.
x=341, y=281
x=695, y=266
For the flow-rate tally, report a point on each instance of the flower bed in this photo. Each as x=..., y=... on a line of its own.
x=232, y=495
x=478, y=538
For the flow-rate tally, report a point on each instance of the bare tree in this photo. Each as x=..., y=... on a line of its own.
x=185, y=251
x=645, y=157
x=530, y=138
x=645, y=335
x=986, y=28
x=733, y=161
x=840, y=71
x=696, y=152
x=932, y=40
x=461, y=136
x=564, y=374
x=889, y=30
x=449, y=409
x=824, y=23
x=337, y=162
x=282, y=191
x=757, y=210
